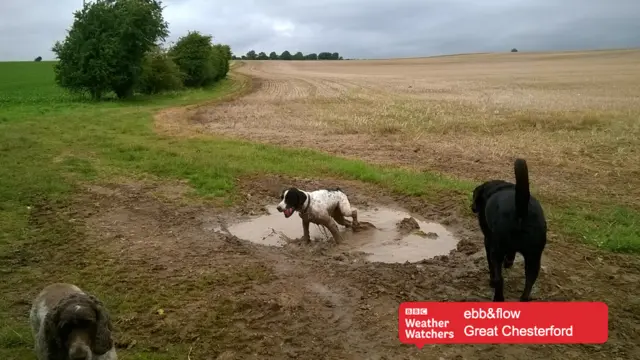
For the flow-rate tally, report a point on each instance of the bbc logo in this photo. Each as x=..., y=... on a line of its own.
x=415, y=311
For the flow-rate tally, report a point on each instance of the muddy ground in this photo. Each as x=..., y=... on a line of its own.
x=306, y=302
x=226, y=298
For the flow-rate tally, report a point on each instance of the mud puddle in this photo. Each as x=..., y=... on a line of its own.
x=395, y=237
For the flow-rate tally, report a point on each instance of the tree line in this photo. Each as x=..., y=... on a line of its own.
x=115, y=46
x=286, y=55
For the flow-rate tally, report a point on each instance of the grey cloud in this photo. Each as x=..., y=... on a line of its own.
x=356, y=28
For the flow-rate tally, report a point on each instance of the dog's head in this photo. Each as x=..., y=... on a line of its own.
x=79, y=326
x=483, y=192
x=291, y=199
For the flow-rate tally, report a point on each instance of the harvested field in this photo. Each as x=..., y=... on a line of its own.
x=574, y=116
x=127, y=201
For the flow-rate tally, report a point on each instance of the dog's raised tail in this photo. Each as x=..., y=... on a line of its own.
x=522, y=187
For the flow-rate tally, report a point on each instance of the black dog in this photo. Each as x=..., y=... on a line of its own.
x=512, y=221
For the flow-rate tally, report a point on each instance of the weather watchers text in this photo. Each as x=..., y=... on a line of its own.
x=422, y=323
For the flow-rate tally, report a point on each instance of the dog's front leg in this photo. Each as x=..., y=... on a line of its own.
x=305, y=229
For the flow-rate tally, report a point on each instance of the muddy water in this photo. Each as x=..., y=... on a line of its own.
x=387, y=242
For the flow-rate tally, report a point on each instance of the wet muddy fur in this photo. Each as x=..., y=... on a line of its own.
x=511, y=221
x=327, y=207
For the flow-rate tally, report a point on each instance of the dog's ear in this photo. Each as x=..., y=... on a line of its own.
x=295, y=198
x=103, y=341
x=52, y=327
x=477, y=201
x=301, y=198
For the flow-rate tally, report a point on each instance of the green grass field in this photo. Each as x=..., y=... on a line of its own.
x=51, y=141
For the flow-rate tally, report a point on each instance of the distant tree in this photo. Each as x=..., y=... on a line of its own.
x=286, y=55
x=38, y=59
x=243, y=57
x=514, y=50
x=233, y=57
x=105, y=47
x=324, y=56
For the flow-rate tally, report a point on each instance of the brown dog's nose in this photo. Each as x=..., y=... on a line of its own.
x=79, y=353
x=83, y=356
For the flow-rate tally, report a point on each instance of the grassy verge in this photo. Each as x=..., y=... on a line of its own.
x=49, y=141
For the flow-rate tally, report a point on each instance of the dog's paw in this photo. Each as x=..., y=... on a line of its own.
x=362, y=226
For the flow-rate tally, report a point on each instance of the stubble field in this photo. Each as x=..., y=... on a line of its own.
x=574, y=116
x=122, y=199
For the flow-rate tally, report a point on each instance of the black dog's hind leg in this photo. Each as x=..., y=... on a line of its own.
x=509, y=259
x=497, y=258
x=531, y=271
x=489, y=262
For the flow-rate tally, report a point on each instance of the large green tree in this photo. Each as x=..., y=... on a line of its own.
x=105, y=47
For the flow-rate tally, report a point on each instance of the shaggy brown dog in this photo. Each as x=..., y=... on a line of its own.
x=69, y=324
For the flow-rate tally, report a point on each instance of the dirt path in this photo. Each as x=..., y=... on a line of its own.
x=231, y=299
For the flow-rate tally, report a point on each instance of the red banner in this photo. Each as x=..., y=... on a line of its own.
x=423, y=323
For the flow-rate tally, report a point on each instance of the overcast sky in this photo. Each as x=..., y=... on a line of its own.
x=355, y=28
